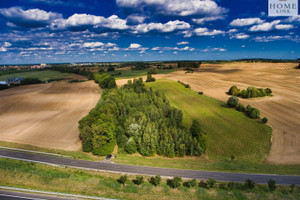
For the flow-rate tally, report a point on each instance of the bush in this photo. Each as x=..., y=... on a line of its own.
x=234, y=91
x=240, y=107
x=232, y=101
x=175, y=182
x=272, y=185
x=122, y=180
x=222, y=185
x=250, y=184
x=231, y=185
x=264, y=120
x=110, y=69
x=211, y=182
x=201, y=93
x=292, y=187
x=190, y=183
x=130, y=146
x=203, y=184
x=150, y=78
x=185, y=85
x=28, y=81
x=138, y=180
x=254, y=114
x=155, y=180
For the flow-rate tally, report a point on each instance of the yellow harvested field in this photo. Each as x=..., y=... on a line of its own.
x=46, y=115
x=282, y=109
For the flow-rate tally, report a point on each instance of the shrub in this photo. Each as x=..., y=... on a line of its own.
x=155, y=180
x=254, y=114
x=222, y=185
x=201, y=93
x=130, y=146
x=264, y=120
x=150, y=78
x=231, y=185
x=175, y=182
x=110, y=69
x=272, y=185
x=190, y=183
x=232, y=157
x=101, y=70
x=233, y=91
x=268, y=91
x=250, y=184
x=240, y=107
x=202, y=184
x=211, y=182
x=138, y=180
x=122, y=180
x=292, y=187
x=232, y=101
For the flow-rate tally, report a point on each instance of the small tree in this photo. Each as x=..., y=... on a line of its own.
x=250, y=184
x=122, y=180
x=264, y=120
x=240, y=107
x=233, y=91
x=232, y=101
x=130, y=146
x=110, y=69
x=211, y=182
x=254, y=114
x=190, y=183
x=175, y=182
x=138, y=180
x=150, y=78
x=202, y=184
x=272, y=185
x=155, y=180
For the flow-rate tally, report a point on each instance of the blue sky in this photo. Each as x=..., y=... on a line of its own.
x=54, y=31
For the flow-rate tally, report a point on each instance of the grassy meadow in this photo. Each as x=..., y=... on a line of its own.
x=125, y=74
x=67, y=180
x=42, y=75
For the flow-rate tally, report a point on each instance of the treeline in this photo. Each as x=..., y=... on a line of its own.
x=105, y=80
x=139, y=119
x=188, y=64
x=75, y=70
x=251, y=92
x=136, y=65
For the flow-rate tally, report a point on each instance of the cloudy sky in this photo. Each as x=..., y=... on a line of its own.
x=54, y=31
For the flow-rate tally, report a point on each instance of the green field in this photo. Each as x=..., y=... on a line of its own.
x=136, y=73
x=230, y=132
x=67, y=180
x=42, y=75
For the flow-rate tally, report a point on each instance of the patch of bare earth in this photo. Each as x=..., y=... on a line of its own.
x=46, y=115
x=282, y=109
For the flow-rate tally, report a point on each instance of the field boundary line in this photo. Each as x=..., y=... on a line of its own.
x=53, y=193
x=37, y=152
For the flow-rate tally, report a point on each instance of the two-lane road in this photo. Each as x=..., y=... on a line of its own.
x=131, y=169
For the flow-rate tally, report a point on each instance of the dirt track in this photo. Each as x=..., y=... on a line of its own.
x=282, y=109
x=46, y=115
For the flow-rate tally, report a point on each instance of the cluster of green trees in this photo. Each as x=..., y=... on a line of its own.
x=136, y=65
x=150, y=78
x=189, y=64
x=75, y=70
x=28, y=81
x=139, y=119
x=184, y=84
x=251, y=92
x=104, y=80
x=249, y=111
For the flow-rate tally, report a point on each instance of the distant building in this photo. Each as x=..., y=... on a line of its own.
x=14, y=80
x=3, y=83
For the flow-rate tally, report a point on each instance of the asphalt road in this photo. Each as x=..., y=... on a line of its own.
x=12, y=195
x=131, y=169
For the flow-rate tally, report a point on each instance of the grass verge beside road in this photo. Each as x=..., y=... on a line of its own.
x=66, y=180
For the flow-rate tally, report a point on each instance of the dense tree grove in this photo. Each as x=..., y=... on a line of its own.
x=105, y=80
x=251, y=92
x=139, y=119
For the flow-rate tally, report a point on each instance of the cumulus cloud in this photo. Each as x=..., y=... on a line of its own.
x=182, y=43
x=173, y=7
x=268, y=26
x=293, y=19
x=168, y=27
x=134, y=46
x=206, y=19
x=272, y=38
x=213, y=49
x=203, y=32
x=186, y=48
x=31, y=18
x=240, y=36
x=135, y=19
x=246, y=22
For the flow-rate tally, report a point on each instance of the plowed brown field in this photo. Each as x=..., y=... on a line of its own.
x=46, y=115
x=282, y=110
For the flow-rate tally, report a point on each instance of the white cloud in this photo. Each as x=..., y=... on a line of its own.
x=186, y=48
x=240, y=36
x=182, y=43
x=268, y=26
x=232, y=30
x=28, y=18
x=206, y=32
x=92, y=44
x=3, y=49
x=246, y=22
x=159, y=27
x=293, y=19
x=213, y=49
x=174, y=7
x=135, y=19
x=134, y=46
x=206, y=19
x=276, y=38
x=7, y=44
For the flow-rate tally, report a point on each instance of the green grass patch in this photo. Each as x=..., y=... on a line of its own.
x=229, y=131
x=42, y=75
x=67, y=180
x=125, y=74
